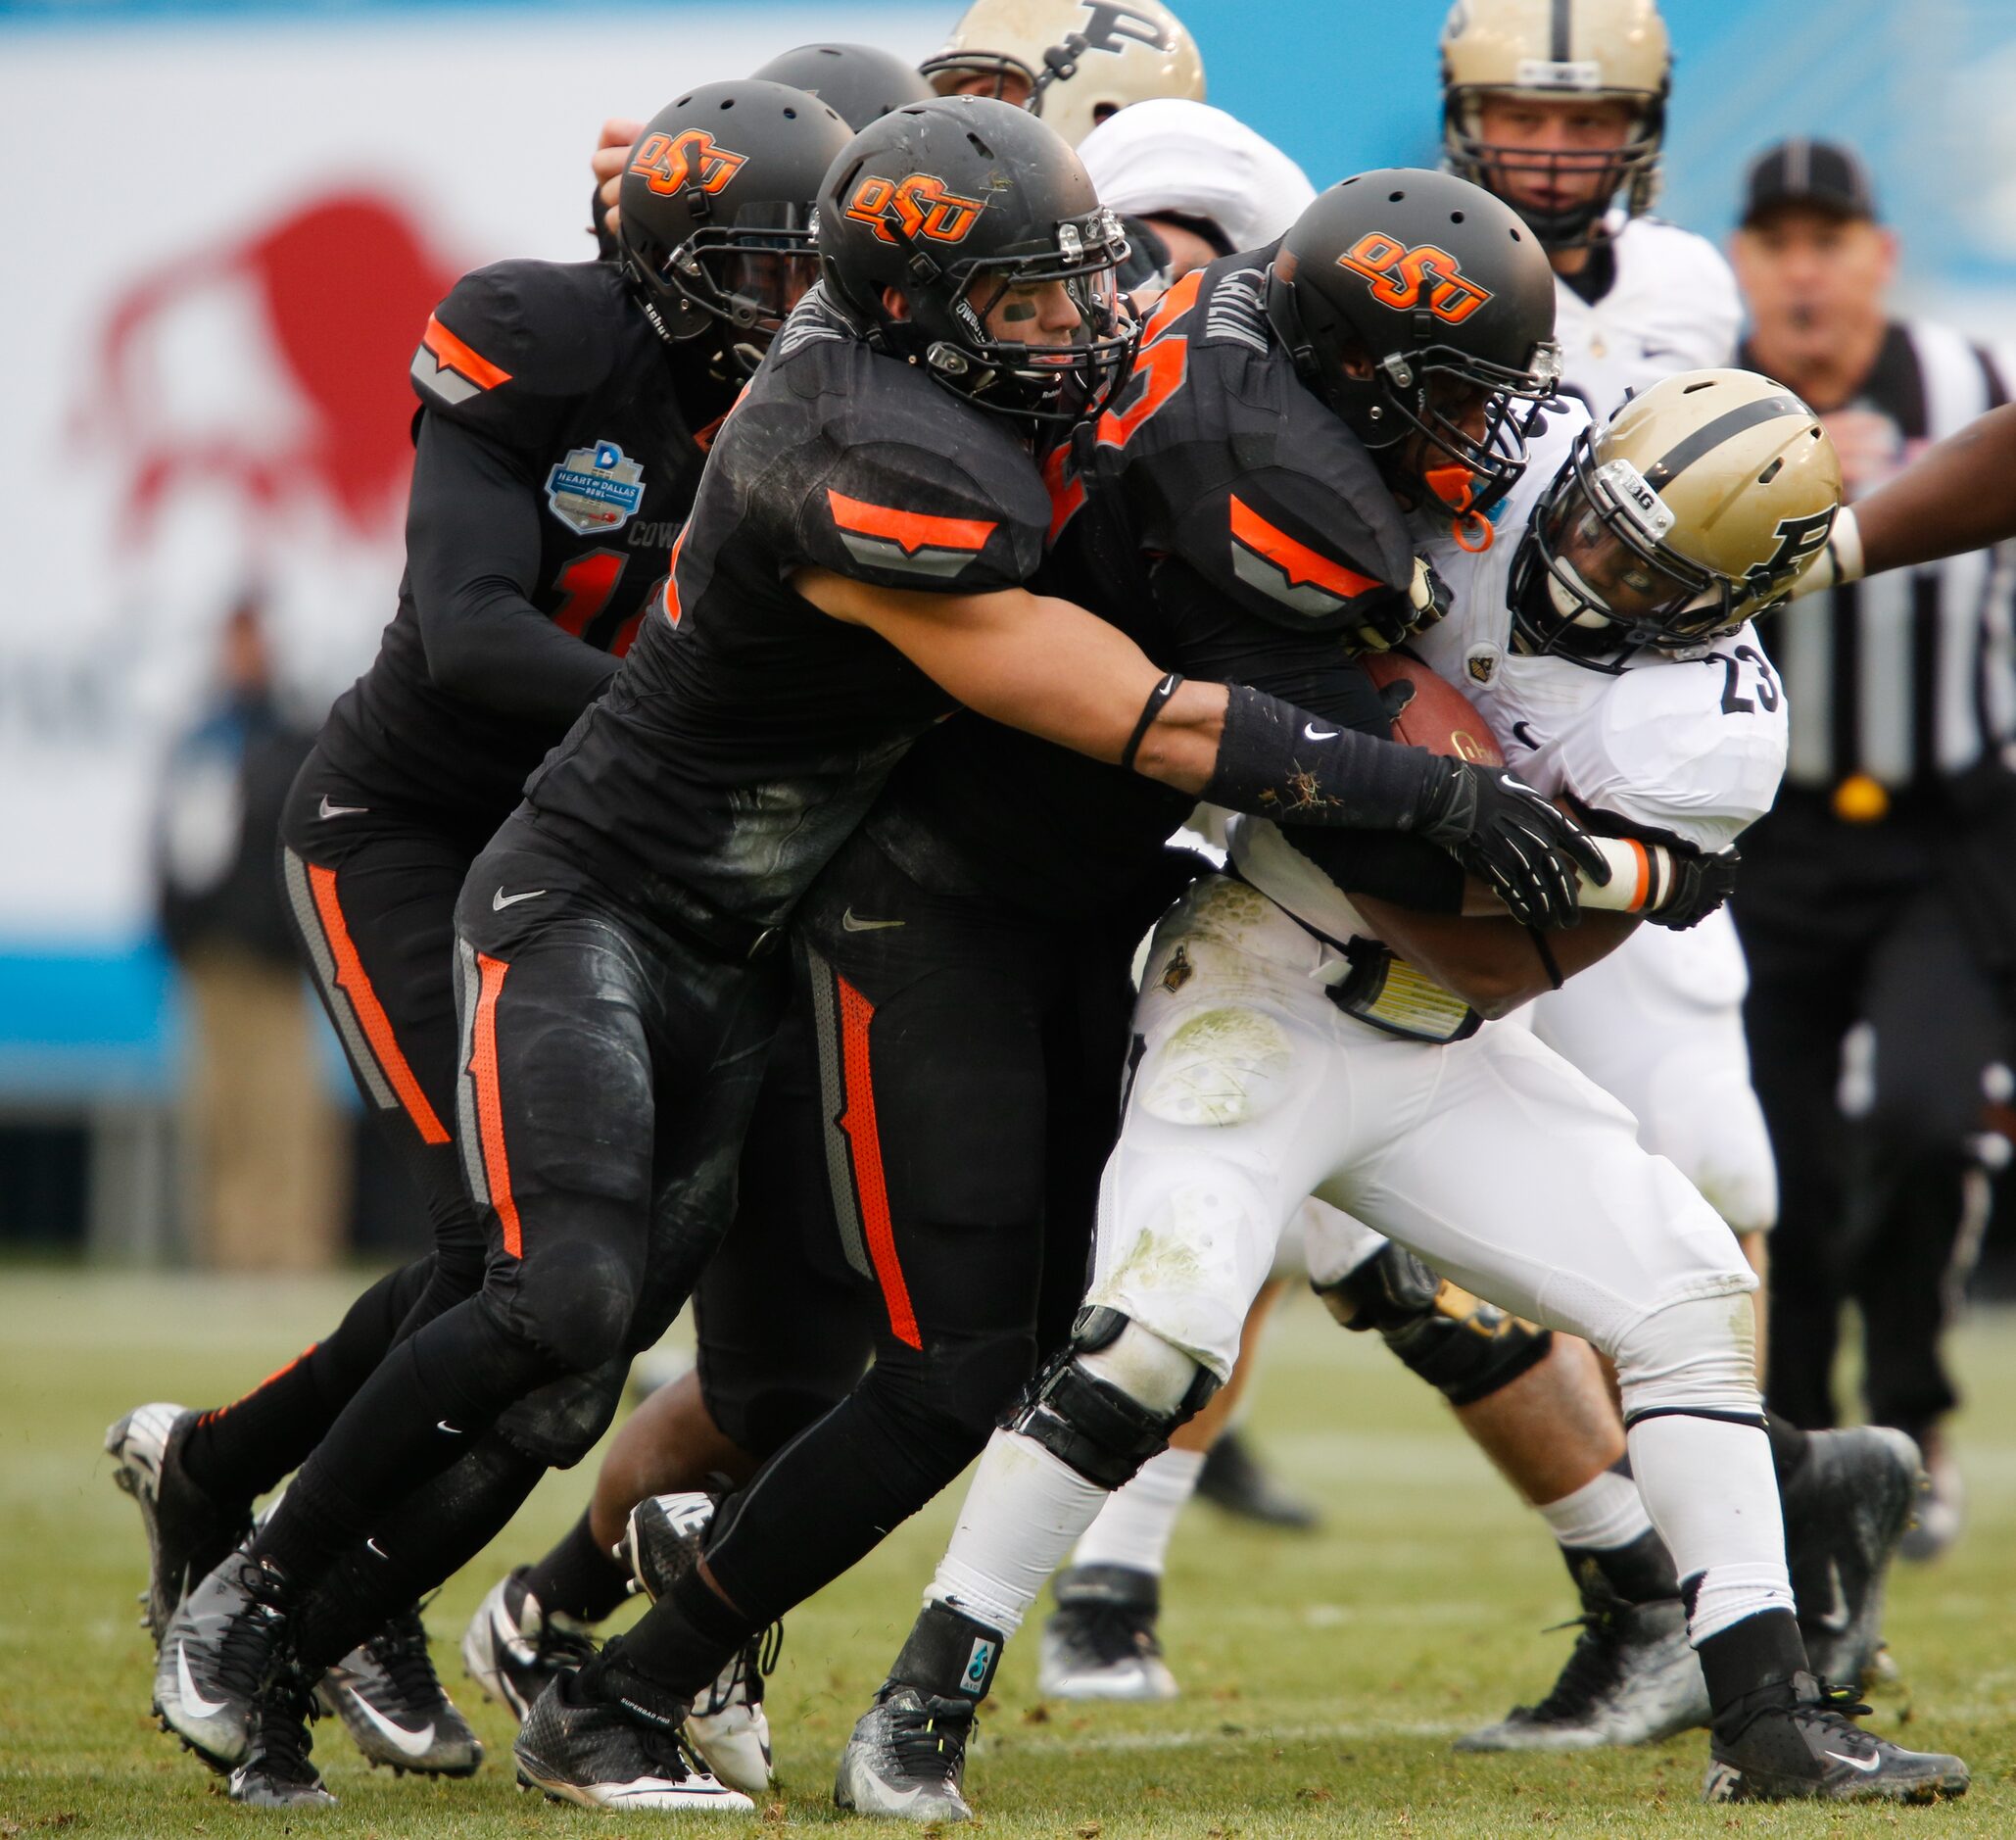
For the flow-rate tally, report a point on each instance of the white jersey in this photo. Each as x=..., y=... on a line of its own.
x=1692, y=745
x=1673, y=306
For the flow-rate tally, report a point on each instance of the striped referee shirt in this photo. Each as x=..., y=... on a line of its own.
x=1909, y=676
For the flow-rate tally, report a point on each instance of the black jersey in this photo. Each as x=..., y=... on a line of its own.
x=748, y=732
x=1235, y=528
x=556, y=460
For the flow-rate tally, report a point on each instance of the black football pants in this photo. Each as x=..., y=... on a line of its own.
x=607, y=1073
x=1844, y=924
x=970, y=1061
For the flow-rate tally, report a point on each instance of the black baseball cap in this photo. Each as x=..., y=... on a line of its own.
x=1820, y=174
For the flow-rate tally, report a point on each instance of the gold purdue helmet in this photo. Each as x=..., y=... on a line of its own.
x=1082, y=59
x=1693, y=510
x=1557, y=50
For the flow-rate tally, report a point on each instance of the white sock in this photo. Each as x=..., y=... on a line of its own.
x=1713, y=1497
x=1136, y=1525
x=1017, y=1523
x=1600, y=1516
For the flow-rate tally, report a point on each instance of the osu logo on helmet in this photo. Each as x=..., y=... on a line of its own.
x=677, y=163
x=919, y=205
x=1403, y=277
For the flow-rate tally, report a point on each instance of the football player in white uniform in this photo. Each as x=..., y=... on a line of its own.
x=1557, y=106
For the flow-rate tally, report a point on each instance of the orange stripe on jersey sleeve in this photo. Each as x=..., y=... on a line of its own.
x=1296, y=561
x=450, y=351
x=352, y=978
x=913, y=530
x=496, y=1167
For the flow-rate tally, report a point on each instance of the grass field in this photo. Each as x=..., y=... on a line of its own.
x=1323, y=1675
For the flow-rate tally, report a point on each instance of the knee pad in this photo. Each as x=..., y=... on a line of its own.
x=1221, y=1067
x=1109, y=1399
x=1463, y=1347
x=576, y=1307
x=1696, y=1358
x=564, y=1420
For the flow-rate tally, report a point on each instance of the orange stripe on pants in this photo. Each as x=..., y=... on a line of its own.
x=858, y=1122
x=497, y=1168
x=378, y=1026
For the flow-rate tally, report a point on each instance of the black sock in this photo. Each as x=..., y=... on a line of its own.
x=1790, y=1447
x=425, y=1542
x=578, y=1578
x=425, y=1407
x=686, y=1638
x=1640, y=1572
x=1748, y=1666
x=241, y=1450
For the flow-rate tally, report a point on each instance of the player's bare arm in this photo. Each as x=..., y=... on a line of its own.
x=1042, y=664
x=1957, y=495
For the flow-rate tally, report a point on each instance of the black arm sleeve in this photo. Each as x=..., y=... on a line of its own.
x=472, y=546
x=1278, y=761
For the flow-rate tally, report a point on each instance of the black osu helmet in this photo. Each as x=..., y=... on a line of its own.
x=1420, y=309
x=953, y=203
x=716, y=210
x=859, y=83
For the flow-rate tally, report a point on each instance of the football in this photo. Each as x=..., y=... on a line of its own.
x=1434, y=713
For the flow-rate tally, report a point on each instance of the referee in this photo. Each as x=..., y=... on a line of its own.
x=1878, y=900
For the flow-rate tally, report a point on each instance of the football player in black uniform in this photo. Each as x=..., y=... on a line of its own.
x=854, y=566
x=565, y=414
x=979, y=924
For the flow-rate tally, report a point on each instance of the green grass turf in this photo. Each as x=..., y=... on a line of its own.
x=1323, y=1676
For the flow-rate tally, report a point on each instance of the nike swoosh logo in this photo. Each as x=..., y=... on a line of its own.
x=186, y=1688
x=501, y=900
x=1524, y=736
x=1835, y=1619
x=340, y=811
x=442, y=1424
x=1312, y=733
x=412, y=1743
x=848, y=924
x=1856, y=1762
x=376, y=1548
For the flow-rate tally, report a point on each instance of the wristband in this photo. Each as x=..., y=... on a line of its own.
x=1641, y=876
x=1150, y=710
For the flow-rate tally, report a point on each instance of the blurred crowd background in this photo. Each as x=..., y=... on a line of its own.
x=226, y=224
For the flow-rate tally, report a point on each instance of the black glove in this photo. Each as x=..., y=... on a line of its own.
x=1517, y=842
x=1702, y=882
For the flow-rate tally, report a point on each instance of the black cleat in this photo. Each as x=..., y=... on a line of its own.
x=189, y=1533
x=1810, y=1749
x=906, y=1758
x=1631, y=1678
x=1845, y=1510
x=661, y=1539
x=595, y=1754
x=515, y=1648
x=394, y=1707
x=1237, y=1481
x=277, y=1772
x=223, y=1648
x=1100, y=1642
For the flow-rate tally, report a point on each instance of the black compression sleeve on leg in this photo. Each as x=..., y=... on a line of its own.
x=1278, y=761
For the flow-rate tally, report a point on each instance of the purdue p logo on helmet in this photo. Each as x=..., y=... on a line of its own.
x=1076, y=61
x=1692, y=510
